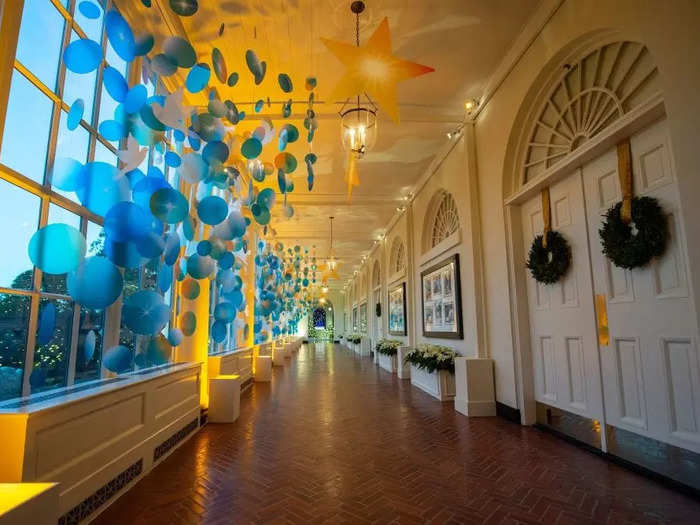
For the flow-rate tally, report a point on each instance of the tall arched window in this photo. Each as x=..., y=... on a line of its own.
x=397, y=261
x=446, y=221
x=376, y=275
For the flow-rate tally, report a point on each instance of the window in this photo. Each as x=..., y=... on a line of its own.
x=398, y=256
x=446, y=221
x=46, y=339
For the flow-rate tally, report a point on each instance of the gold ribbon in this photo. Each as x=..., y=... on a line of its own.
x=546, y=216
x=624, y=172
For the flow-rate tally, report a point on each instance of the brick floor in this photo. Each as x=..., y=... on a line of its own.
x=333, y=439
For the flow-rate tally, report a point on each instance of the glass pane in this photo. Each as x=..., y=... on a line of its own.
x=107, y=107
x=89, y=356
x=104, y=154
x=41, y=29
x=92, y=27
x=116, y=61
x=20, y=209
x=14, y=326
x=77, y=85
x=52, y=345
x=25, y=139
x=95, y=239
x=71, y=144
x=57, y=283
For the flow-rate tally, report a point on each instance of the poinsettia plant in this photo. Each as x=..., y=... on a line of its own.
x=432, y=357
x=388, y=346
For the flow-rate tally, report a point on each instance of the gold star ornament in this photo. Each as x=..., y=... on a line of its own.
x=373, y=69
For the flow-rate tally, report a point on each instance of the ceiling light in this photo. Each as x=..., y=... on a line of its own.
x=470, y=105
x=358, y=124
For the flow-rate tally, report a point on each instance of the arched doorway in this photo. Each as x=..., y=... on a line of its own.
x=600, y=351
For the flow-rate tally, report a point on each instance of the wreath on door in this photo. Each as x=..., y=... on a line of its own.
x=632, y=244
x=549, y=261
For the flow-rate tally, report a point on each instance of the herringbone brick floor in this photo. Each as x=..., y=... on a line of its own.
x=333, y=439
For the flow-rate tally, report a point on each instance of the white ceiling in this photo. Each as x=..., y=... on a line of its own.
x=464, y=40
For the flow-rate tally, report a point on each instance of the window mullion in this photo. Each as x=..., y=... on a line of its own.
x=10, y=19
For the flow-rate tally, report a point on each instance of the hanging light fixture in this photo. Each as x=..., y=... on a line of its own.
x=358, y=129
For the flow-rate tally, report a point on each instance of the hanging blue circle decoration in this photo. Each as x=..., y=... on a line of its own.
x=267, y=198
x=103, y=187
x=226, y=261
x=165, y=278
x=212, y=210
x=120, y=35
x=184, y=7
x=75, y=114
x=169, y=205
x=96, y=283
x=175, y=336
x=188, y=322
x=126, y=221
x=204, y=247
x=47, y=323
x=145, y=188
x=112, y=130
x=172, y=248
x=172, y=159
x=158, y=351
x=181, y=51
x=89, y=10
x=124, y=254
x=225, y=311
x=163, y=65
x=143, y=44
x=118, y=359
x=57, y=248
x=199, y=266
x=89, y=345
x=67, y=174
x=82, y=56
x=198, y=78
x=145, y=313
x=218, y=331
x=135, y=98
x=115, y=84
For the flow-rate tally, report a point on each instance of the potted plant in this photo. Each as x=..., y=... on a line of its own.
x=386, y=352
x=355, y=340
x=433, y=370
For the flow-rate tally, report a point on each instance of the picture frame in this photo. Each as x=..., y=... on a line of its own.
x=441, y=301
x=397, y=310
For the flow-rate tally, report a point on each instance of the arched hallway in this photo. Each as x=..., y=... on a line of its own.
x=335, y=439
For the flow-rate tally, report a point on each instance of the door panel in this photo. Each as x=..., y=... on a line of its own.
x=562, y=321
x=651, y=378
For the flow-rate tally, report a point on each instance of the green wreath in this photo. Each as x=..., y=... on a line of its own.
x=548, y=265
x=635, y=244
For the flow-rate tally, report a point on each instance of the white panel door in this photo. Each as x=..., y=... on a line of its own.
x=650, y=367
x=562, y=319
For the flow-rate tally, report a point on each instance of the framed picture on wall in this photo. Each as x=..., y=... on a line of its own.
x=354, y=318
x=397, y=310
x=363, y=318
x=441, y=301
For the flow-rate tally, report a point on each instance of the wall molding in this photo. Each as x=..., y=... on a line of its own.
x=439, y=249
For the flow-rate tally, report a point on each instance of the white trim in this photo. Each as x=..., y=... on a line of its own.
x=440, y=248
x=398, y=276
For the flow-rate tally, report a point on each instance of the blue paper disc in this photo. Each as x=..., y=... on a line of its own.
x=212, y=210
x=82, y=56
x=96, y=283
x=120, y=35
x=144, y=312
x=57, y=248
x=75, y=114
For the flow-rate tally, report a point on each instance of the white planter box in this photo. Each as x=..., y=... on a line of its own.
x=439, y=384
x=387, y=362
x=356, y=347
x=404, y=370
x=365, y=346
